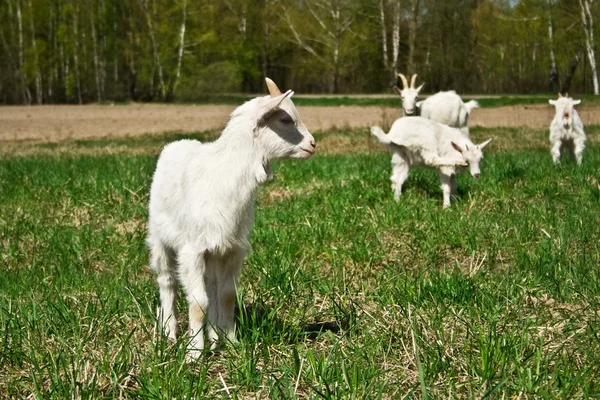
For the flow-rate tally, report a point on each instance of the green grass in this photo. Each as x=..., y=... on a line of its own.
x=395, y=101
x=346, y=293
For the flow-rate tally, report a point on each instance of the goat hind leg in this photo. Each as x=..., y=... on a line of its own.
x=163, y=261
x=193, y=272
x=400, y=169
x=227, y=278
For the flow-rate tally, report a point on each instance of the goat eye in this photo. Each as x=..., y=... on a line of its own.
x=287, y=120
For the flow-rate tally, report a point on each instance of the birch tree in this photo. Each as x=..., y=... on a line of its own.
x=553, y=69
x=587, y=21
x=390, y=7
x=333, y=19
x=180, y=48
x=155, y=49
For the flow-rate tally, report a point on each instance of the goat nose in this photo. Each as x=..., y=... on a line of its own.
x=476, y=175
x=312, y=143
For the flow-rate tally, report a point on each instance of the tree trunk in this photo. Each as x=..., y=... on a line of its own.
x=553, y=70
x=36, y=64
x=173, y=87
x=386, y=62
x=588, y=27
x=412, y=34
x=155, y=50
x=396, y=39
x=76, y=53
x=95, y=52
x=20, y=60
x=567, y=83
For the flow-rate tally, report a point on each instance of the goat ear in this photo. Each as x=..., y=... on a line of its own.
x=272, y=103
x=420, y=87
x=553, y=102
x=575, y=102
x=397, y=90
x=457, y=147
x=482, y=145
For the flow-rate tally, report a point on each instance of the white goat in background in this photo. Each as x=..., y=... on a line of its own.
x=444, y=107
x=566, y=129
x=409, y=95
x=448, y=108
x=420, y=142
x=201, y=211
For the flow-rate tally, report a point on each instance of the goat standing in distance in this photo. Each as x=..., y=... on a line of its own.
x=202, y=208
x=444, y=107
x=418, y=141
x=566, y=129
x=448, y=108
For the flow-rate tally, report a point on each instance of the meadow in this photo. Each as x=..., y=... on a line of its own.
x=346, y=293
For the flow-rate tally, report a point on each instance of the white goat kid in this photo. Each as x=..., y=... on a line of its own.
x=201, y=211
x=448, y=108
x=409, y=95
x=566, y=129
x=420, y=142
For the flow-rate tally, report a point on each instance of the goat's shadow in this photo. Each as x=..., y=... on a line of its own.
x=423, y=186
x=254, y=316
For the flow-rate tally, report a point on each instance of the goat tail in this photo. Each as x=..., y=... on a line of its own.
x=471, y=105
x=380, y=135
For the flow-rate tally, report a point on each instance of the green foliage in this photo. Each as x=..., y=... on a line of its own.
x=347, y=294
x=221, y=77
x=314, y=46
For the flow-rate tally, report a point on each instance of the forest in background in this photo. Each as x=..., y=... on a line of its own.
x=81, y=51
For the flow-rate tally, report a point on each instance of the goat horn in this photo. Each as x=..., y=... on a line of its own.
x=273, y=89
x=404, y=81
x=567, y=94
x=559, y=95
x=412, y=81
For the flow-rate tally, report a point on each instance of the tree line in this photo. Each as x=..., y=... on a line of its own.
x=79, y=51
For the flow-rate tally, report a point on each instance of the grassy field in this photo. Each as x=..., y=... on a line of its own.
x=394, y=101
x=346, y=293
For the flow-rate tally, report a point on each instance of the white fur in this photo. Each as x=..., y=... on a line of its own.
x=566, y=130
x=417, y=141
x=448, y=108
x=201, y=212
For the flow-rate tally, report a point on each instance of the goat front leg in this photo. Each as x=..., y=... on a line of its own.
x=193, y=273
x=445, y=181
x=579, y=147
x=555, y=151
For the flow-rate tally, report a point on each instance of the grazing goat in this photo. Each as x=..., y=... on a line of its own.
x=409, y=95
x=201, y=211
x=420, y=142
x=448, y=108
x=566, y=129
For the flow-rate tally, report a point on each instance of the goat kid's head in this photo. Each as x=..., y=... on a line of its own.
x=564, y=108
x=473, y=155
x=279, y=128
x=409, y=94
